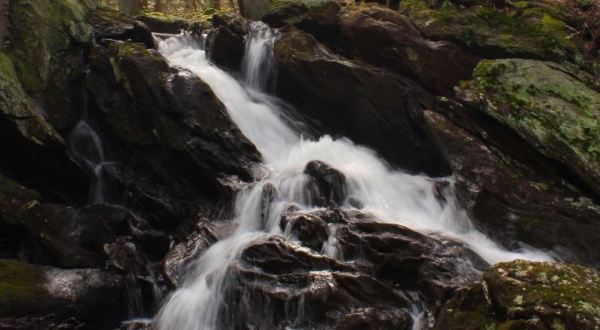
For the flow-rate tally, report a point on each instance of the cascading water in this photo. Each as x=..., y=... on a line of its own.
x=87, y=148
x=392, y=196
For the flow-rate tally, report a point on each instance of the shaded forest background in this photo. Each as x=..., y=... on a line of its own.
x=168, y=5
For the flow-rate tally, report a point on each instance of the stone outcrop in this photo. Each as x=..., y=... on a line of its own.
x=529, y=295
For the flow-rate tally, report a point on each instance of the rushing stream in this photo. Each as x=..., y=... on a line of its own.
x=392, y=196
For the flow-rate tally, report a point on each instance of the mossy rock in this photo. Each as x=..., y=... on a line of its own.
x=163, y=23
x=528, y=28
x=18, y=109
x=31, y=291
x=20, y=285
x=527, y=295
x=13, y=197
x=556, y=110
x=47, y=38
x=283, y=12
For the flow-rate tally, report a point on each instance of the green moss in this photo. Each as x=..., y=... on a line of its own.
x=13, y=197
x=528, y=295
x=523, y=28
x=16, y=106
x=19, y=286
x=547, y=105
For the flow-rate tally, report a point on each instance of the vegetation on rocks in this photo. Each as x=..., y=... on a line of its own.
x=546, y=104
x=537, y=29
x=527, y=295
x=498, y=102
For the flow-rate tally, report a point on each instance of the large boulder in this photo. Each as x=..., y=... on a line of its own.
x=555, y=110
x=254, y=9
x=309, y=13
x=91, y=298
x=511, y=192
x=527, y=295
x=226, y=48
x=358, y=279
x=38, y=153
x=170, y=137
x=385, y=38
x=368, y=105
x=328, y=185
x=162, y=23
x=46, y=39
x=554, y=30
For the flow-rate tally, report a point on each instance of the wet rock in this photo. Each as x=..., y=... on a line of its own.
x=154, y=115
x=308, y=290
x=368, y=105
x=522, y=294
x=79, y=238
x=93, y=297
x=110, y=24
x=513, y=195
x=44, y=322
x=226, y=44
x=376, y=318
x=226, y=48
x=387, y=39
x=269, y=195
x=278, y=256
x=329, y=184
x=310, y=229
x=409, y=259
x=281, y=282
x=550, y=107
x=178, y=258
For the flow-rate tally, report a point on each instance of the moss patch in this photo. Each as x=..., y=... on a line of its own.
x=527, y=295
x=16, y=106
x=553, y=108
x=20, y=287
x=522, y=29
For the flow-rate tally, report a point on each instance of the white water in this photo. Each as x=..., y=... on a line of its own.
x=392, y=196
x=87, y=147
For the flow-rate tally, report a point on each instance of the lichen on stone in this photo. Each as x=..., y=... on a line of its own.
x=550, y=106
x=541, y=294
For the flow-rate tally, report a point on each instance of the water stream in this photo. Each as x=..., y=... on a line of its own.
x=391, y=195
x=88, y=149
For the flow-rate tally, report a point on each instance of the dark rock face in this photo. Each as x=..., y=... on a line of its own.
x=521, y=294
x=513, y=193
x=225, y=44
x=385, y=38
x=328, y=184
x=369, y=105
x=536, y=100
x=50, y=56
x=165, y=116
x=279, y=281
x=226, y=48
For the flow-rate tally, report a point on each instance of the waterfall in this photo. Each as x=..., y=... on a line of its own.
x=392, y=196
x=87, y=148
x=258, y=66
